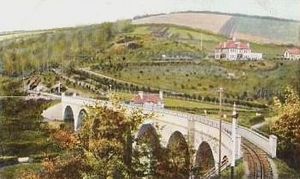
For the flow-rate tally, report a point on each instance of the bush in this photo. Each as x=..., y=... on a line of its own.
x=23, y=149
x=41, y=157
x=8, y=160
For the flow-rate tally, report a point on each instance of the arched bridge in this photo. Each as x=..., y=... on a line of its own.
x=200, y=132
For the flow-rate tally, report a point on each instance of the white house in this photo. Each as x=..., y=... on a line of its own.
x=148, y=100
x=292, y=54
x=236, y=50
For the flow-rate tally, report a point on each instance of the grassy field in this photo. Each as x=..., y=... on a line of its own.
x=209, y=40
x=270, y=30
x=19, y=35
x=17, y=171
x=212, y=109
x=259, y=29
x=240, y=79
x=194, y=20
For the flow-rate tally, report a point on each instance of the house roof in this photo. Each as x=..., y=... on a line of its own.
x=147, y=98
x=232, y=44
x=294, y=51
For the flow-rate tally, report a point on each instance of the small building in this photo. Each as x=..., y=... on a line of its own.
x=292, y=54
x=236, y=50
x=148, y=100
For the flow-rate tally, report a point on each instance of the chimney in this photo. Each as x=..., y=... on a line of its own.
x=161, y=94
x=238, y=44
x=141, y=94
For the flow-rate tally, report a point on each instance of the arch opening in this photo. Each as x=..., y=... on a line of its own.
x=69, y=118
x=204, y=159
x=147, y=151
x=178, y=155
x=81, y=116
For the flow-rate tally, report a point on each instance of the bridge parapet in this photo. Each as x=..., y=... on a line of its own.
x=78, y=100
x=269, y=145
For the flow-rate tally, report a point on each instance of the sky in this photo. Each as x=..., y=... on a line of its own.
x=44, y=14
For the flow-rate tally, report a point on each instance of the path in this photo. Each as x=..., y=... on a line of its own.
x=258, y=125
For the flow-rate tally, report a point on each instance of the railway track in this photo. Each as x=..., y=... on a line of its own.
x=258, y=163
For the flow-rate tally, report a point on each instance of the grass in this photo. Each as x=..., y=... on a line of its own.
x=9, y=86
x=16, y=171
x=279, y=31
x=284, y=171
x=253, y=28
x=204, y=77
x=246, y=114
x=55, y=124
x=239, y=171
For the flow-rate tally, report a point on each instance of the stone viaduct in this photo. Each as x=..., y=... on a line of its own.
x=200, y=132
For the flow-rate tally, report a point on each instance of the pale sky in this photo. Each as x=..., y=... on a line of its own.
x=41, y=14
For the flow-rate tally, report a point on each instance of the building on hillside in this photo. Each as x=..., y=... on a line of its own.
x=292, y=54
x=148, y=100
x=236, y=50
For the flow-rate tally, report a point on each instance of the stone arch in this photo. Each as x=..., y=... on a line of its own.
x=147, y=133
x=147, y=150
x=69, y=117
x=204, y=160
x=81, y=116
x=178, y=153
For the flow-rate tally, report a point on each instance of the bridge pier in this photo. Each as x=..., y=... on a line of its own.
x=238, y=146
x=273, y=145
x=191, y=132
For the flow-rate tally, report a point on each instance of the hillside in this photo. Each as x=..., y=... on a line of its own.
x=252, y=28
x=153, y=56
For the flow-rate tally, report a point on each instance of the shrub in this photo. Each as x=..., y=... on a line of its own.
x=8, y=160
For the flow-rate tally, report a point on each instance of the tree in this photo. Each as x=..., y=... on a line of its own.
x=101, y=149
x=287, y=127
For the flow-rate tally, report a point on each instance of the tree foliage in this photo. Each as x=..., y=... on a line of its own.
x=106, y=147
x=287, y=127
x=40, y=51
x=100, y=148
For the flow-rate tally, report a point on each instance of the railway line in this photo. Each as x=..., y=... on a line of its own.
x=258, y=163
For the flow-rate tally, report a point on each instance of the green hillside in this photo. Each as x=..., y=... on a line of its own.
x=252, y=28
x=160, y=56
x=280, y=31
x=242, y=80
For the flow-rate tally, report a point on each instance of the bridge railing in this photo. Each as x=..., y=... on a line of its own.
x=268, y=145
x=44, y=94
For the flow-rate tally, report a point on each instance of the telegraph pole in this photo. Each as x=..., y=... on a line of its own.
x=201, y=42
x=23, y=78
x=233, y=136
x=221, y=90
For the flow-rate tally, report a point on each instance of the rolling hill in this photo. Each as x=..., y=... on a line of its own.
x=160, y=56
x=252, y=28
